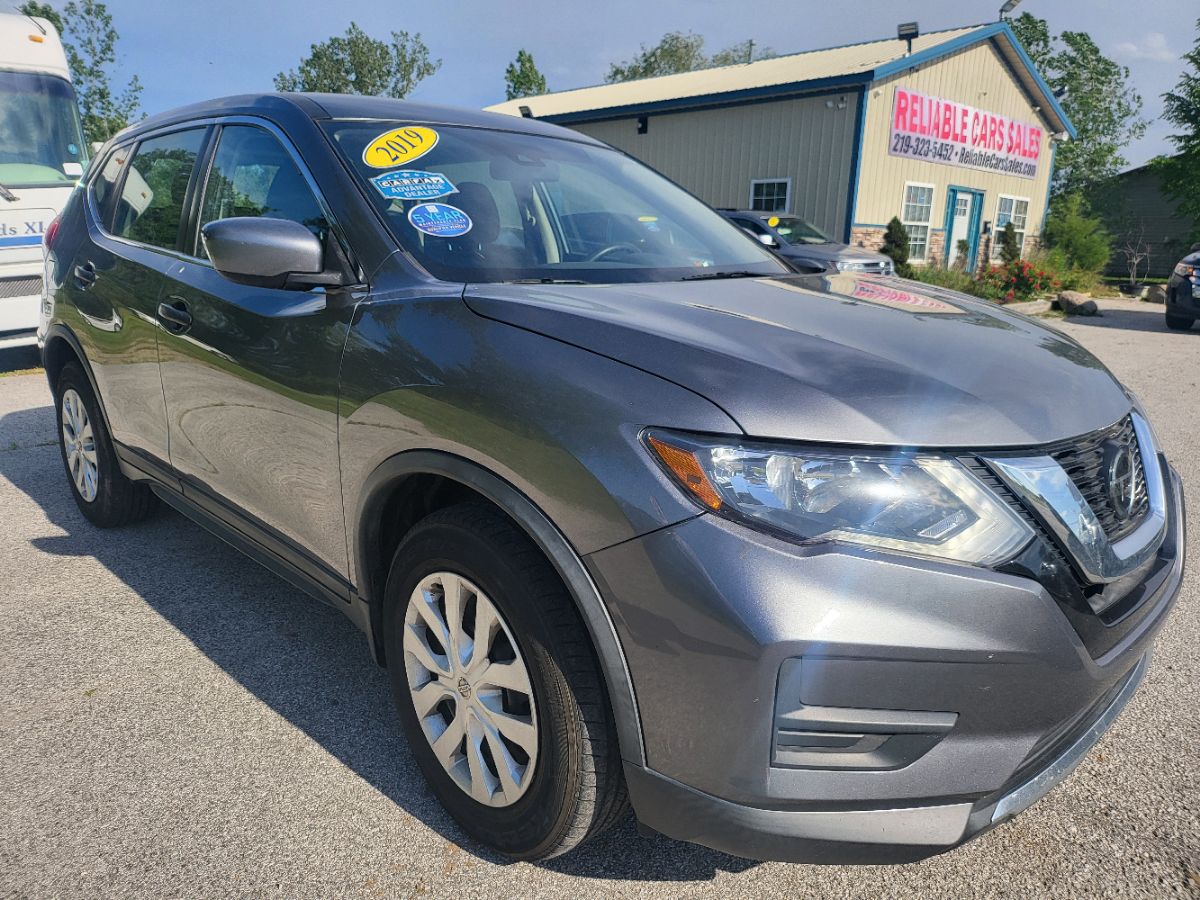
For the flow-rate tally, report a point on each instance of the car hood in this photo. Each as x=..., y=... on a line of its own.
x=835, y=357
x=831, y=251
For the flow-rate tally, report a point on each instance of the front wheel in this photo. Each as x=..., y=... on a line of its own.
x=498, y=688
x=1177, y=322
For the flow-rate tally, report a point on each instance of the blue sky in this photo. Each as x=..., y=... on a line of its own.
x=185, y=51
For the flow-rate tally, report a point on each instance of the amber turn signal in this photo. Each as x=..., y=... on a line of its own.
x=685, y=467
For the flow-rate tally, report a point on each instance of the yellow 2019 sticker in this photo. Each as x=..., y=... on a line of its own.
x=399, y=147
x=773, y=221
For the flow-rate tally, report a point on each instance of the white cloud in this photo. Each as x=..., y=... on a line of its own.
x=1152, y=48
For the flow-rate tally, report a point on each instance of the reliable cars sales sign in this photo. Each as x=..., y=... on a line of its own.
x=954, y=134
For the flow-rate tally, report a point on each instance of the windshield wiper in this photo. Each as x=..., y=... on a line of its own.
x=714, y=275
x=546, y=281
x=8, y=195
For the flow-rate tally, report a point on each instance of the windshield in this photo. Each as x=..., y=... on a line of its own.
x=796, y=231
x=484, y=206
x=41, y=143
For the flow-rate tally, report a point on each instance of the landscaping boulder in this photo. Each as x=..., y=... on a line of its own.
x=1074, y=303
x=1156, y=294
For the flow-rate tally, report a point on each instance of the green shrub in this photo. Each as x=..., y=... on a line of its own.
x=954, y=279
x=1010, y=250
x=1080, y=236
x=895, y=245
x=1016, y=281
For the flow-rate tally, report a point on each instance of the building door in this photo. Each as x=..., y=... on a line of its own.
x=963, y=210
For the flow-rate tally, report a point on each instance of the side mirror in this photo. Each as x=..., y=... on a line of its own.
x=767, y=241
x=269, y=253
x=1195, y=248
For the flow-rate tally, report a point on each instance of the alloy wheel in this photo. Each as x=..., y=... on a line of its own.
x=79, y=445
x=470, y=689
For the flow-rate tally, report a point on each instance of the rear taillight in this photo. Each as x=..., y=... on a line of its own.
x=51, y=232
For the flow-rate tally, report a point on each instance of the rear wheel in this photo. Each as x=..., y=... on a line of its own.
x=104, y=495
x=498, y=688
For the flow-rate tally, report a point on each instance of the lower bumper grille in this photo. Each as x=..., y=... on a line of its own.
x=19, y=287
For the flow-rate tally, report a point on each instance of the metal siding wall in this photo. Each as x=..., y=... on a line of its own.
x=978, y=76
x=715, y=153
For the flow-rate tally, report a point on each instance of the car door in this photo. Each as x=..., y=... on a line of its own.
x=250, y=374
x=135, y=208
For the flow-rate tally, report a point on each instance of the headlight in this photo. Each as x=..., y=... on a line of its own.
x=861, y=265
x=918, y=503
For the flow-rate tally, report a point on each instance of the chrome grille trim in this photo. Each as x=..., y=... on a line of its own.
x=1044, y=485
x=1084, y=461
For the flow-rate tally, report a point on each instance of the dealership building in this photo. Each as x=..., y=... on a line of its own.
x=952, y=131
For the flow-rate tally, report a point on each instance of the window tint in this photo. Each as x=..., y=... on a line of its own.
x=756, y=227
x=253, y=175
x=493, y=206
x=104, y=186
x=151, y=202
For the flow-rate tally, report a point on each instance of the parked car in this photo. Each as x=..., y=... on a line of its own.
x=804, y=243
x=630, y=511
x=1183, y=292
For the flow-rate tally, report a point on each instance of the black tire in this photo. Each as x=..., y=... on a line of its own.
x=1177, y=322
x=577, y=789
x=118, y=501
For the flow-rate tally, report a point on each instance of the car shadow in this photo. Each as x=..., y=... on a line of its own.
x=16, y=359
x=304, y=660
x=1145, y=317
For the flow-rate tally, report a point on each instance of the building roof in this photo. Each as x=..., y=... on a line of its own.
x=796, y=73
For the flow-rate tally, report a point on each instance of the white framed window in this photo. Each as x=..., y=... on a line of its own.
x=771, y=194
x=915, y=214
x=1010, y=209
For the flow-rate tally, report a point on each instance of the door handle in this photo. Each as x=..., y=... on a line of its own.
x=85, y=275
x=175, y=317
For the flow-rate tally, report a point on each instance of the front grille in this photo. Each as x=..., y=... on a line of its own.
x=1083, y=459
x=19, y=287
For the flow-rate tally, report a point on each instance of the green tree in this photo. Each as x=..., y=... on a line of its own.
x=676, y=52
x=895, y=245
x=1010, y=250
x=1181, y=107
x=357, y=63
x=1096, y=96
x=42, y=11
x=90, y=42
x=1080, y=236
x=522, y=78
x=682, y=52
x=743, y=52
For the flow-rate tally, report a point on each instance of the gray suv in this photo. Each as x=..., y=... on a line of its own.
x=820, y=567
x=805, y=244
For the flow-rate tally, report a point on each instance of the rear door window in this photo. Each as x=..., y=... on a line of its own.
x=104, y=186
x=152, y=198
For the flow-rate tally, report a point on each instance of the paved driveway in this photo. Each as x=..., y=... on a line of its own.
x=174, y=721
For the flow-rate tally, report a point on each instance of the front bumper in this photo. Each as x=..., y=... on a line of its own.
x=732, y=638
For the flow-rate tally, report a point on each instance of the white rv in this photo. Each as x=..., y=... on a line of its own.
x=42, y=157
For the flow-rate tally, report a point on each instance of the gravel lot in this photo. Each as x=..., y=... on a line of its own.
x=174, y=721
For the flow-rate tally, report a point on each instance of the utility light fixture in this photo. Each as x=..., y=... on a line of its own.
x=1008, y=7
